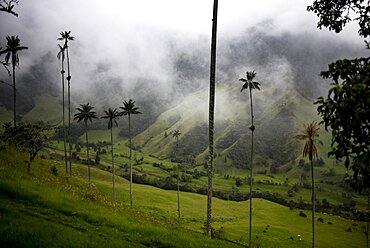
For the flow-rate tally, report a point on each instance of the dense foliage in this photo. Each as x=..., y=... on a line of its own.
x=335, y=14
x=346, y=112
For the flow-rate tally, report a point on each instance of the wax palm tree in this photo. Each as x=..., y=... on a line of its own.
x=252, y=85
x=112, y=116
x=12, y=48
x=130, y=109
x=66, y=37
x=61, y=57
x=211, y=118
x=176, y=135
x=310, y=133
x=85, y=113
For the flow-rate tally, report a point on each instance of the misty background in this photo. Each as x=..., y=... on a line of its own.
x=158, y=53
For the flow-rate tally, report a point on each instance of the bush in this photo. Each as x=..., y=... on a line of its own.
x=54, y=170
x=301, y=214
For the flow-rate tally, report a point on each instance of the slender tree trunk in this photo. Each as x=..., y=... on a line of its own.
x=251, y=173
x=129, y=135
x=252, y=114
x=14, y=98
x=212, y=86
x=178, y=185
x=113, y=172
x=87, y=151
x=64, y=125
x=250, y=193
x=313, y=207
x=69, y=114
x=368, y=221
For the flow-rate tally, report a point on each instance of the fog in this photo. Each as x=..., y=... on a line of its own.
x=158, y=51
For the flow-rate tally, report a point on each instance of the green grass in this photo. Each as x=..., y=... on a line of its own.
x=47, y=108
x=78, y=216
x=6, y=116
x=43, y=210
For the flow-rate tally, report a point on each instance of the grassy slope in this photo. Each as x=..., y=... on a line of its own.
x=78, y=216
x=42, y=210
x=47, y=108
x=6, y=116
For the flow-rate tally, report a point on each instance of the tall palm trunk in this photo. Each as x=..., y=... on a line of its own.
x=14, y=98
x=368, y=221
x=212, y=86
x=69, y=114
x=64, y=128
x=178, y=185
x=129, y=135
x=113, y=172
x=313, y=206
x=251, y=173
x=87, y=151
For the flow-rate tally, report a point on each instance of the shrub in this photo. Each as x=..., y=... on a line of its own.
x=54, y=170
x=302, y=214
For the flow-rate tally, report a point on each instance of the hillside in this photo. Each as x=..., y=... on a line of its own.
x=280, y=174
x=78, y=216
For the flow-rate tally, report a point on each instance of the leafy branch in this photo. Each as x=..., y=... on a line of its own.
x=7, y=6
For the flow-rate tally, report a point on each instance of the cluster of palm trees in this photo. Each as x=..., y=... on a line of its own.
x=13, y=46
x=86, y=113
x=62, y=55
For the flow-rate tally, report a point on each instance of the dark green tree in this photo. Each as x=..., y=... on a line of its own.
x=176, y=135
x=211, y=118
x=30, y=138
x=85, y=113
x=336, y=14
x=252, y=85
x=309, y=134
x=12, y=48
x=112, y=116
x=61, y=57
x=66, y=37
x=346, y=109
x=130, y=109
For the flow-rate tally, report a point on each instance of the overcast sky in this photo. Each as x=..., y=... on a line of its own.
x=133, y=37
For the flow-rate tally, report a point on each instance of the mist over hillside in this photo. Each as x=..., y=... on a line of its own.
x=282, y=60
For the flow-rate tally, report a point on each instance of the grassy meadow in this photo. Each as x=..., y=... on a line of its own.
x=78, y=216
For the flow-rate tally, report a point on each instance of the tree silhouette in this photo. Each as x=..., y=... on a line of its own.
x=130, y=109
x=12, y=48
x=310, y=134
x=61, y=57
x=85, y=113
x=249, y=83
x=66, y=37
x=8, y=5
x=211, y=118
x=176, y=135
x=112, y=116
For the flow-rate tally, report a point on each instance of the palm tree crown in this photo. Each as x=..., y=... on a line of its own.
x=129, y=108
x=249, y=83
x=113, y=116
x=66, y=36
x=85, y=113
x=176, y=134
x=309, y=134
x=12, y=47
